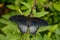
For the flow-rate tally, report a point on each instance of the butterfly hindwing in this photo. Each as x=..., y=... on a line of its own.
x=23, y=28
x=33, y=29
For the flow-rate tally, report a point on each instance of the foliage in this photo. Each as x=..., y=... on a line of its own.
x=48, y=10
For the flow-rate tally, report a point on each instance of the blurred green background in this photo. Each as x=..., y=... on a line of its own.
x=48, y=10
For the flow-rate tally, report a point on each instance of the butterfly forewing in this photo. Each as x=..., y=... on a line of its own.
x=39, y=21
x=18, y=18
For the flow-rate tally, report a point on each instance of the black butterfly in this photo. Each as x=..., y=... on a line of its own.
x=24, y=24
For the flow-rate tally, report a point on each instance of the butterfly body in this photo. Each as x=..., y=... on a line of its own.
x=25, y=23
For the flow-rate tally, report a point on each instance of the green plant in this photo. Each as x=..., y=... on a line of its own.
x=46, y=9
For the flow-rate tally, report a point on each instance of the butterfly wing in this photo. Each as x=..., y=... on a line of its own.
x=18, y=18
x=33, y=29
x=23, y=28
x=21, y=21
x=39, y=21
x=36, y=23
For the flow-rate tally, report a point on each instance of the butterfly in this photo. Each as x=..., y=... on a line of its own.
x=25, y=23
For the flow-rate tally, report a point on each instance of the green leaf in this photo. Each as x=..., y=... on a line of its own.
x=12, y=7
x=23, y=8
x=57, y=6
x=34, y=11
x=46, y=37
x=57, y=37
x=30, y=2
x=44, y=28
x=4, y=21
x=57, y=31
x=16, y=8
x=41, y=1
x=12, y=37
x=2, y=25
x=17, y=2
x=40, y=14
x=2, y=37
x=27, y=5
x=8, y=15
x=53, y=28
x=11, y=28
x=39, y=37
x=27, y=12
